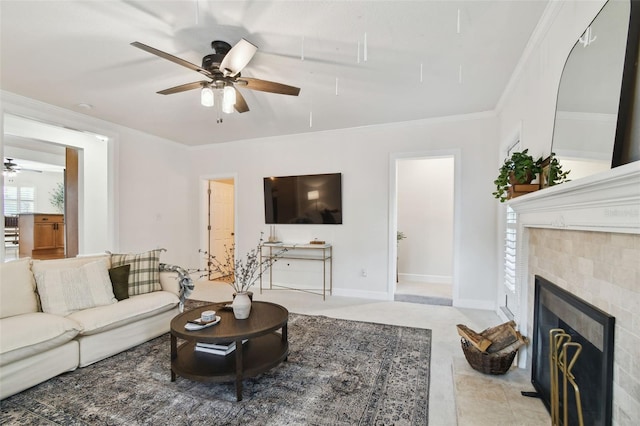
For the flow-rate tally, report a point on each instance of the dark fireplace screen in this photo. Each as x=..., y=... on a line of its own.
x=555, y=308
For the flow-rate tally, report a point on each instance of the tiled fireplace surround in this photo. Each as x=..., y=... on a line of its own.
x=584, y=236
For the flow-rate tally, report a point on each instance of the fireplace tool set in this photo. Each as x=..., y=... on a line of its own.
x=563, y=354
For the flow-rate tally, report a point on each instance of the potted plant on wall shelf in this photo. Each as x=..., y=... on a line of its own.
x=552, y=173
x=516, y=174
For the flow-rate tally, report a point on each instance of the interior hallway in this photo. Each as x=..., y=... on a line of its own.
x=458, y=394
x=423, y=292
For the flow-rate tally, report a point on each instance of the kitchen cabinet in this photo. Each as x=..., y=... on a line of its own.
x=42, y=235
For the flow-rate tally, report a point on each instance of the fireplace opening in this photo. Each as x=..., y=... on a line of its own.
x=593, y=329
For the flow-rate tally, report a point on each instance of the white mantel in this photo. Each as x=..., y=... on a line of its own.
x=605, y=202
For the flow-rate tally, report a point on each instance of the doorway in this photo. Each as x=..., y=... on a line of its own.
x=97, y=180
x=221, y=222
x=44, y=179
x=425, y=224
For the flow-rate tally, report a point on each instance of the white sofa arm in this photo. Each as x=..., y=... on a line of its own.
x=182, y=278
x=170, y=281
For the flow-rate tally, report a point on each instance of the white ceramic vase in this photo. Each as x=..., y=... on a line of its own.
x=241, y=305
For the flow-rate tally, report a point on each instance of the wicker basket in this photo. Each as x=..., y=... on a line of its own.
x=487, y=363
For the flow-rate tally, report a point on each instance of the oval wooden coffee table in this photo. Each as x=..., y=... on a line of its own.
x=264, y=349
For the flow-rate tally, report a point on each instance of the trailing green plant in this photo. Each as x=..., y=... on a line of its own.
x=520, y=168
x=556, y=174
x=57, y=197
x=400, y=236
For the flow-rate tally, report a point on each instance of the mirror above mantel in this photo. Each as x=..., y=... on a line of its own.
x=594, y=110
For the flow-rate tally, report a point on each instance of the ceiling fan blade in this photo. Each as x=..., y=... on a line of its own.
x=269, y=86
x=241, y=104
x=238, y=57
x=171, y=58
x=183, y=88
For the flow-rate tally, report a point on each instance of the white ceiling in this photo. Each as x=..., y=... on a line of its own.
x=70, y=52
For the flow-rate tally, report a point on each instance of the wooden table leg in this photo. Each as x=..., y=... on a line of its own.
x=174, y=355
x=285, y=337
x=239, y=369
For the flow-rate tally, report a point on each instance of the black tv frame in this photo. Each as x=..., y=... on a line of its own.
x=337, y=193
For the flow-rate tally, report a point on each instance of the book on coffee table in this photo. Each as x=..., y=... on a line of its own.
x=224, y=348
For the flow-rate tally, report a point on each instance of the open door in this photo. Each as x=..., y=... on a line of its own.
x=71, y=202
x=221, y=221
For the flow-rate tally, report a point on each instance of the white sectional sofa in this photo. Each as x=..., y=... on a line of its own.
x=49, y=325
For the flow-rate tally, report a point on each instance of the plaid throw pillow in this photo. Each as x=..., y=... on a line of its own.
x=144, y=275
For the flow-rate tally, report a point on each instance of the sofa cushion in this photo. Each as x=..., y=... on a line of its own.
x=17, y=288
x=28, y=334
x=144, y=275
x=63, y=291
x=120, y=281
x=102, y=318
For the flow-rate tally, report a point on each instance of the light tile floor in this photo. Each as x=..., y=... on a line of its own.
x=424, y=289
x=453, y=382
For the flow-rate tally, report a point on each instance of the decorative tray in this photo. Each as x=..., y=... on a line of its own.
x=196, y=324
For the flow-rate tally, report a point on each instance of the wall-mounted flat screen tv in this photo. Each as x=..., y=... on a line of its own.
x=311, y=199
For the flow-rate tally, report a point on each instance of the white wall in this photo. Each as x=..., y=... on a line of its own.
x=154, y=208
x=153, y=199
x=425, y=215
x=530, y=99
x=528, y=105
x=363, y=155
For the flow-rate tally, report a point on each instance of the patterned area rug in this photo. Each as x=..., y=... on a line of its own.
x=338, y=373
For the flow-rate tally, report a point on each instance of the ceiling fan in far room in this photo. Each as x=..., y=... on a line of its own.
x=222, y=69
x=10, y=168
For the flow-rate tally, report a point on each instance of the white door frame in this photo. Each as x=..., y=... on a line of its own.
x=203, y=233
x=393, y=213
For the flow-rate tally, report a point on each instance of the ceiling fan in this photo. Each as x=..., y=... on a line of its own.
x=222, y=69
x=11, y=169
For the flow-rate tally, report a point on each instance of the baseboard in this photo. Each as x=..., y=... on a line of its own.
x=485, y=305
x=433, y=279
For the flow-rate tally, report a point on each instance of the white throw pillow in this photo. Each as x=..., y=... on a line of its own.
x=17, y=288
x=63, y=291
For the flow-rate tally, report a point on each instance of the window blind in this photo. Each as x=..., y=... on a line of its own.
x=510, y=250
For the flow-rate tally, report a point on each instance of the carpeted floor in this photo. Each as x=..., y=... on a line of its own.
x=338, y=373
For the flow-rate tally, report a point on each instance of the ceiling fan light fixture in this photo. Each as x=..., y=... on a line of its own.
x=228, y=99
x=206, y=96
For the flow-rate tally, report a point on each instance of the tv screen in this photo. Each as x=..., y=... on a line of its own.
x=314, y=199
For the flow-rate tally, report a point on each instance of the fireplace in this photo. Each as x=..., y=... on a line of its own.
x=584, y=236
x=555, y=308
